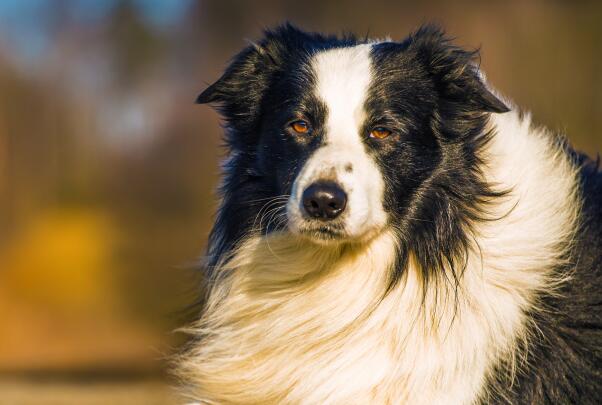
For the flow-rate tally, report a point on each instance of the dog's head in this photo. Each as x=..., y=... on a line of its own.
x=352, y=137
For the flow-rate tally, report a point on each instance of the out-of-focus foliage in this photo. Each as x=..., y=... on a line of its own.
x=107, y=168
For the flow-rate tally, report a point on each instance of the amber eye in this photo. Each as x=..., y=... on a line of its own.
x=300, y=127
x=379, y=133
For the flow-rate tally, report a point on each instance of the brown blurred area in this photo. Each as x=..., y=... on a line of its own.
x=108, y=169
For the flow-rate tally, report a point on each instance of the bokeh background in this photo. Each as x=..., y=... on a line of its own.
x=107, y=168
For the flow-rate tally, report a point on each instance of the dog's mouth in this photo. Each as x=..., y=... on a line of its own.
x=332, y=233
x=322, y=232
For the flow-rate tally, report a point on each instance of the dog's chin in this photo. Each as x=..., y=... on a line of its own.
x=324, y=236
x=331, y=235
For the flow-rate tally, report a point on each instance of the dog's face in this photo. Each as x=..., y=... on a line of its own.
x=350, y=136
x=338, y=192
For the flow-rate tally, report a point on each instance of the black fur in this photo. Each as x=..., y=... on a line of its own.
x=434, y=99
x=431, y=91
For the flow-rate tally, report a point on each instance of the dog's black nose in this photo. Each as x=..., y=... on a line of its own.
x=324, y=200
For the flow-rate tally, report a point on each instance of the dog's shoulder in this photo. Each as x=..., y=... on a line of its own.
x=564, y=356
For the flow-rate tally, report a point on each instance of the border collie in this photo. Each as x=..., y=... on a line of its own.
x=393, y=231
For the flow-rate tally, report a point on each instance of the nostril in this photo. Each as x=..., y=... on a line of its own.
x=324, y=200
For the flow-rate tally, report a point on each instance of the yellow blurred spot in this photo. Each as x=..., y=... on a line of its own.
x=62, y=260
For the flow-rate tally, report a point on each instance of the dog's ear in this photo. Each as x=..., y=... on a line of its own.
x=243, y=77
x=240, y=90
x=454, y=70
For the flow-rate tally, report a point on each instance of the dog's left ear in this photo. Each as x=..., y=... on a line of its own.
x=456, y=75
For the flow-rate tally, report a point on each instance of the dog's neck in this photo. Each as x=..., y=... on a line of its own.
x=290, y=321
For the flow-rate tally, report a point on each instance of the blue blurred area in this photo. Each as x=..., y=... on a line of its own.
x=23, y=27
x=28, y=27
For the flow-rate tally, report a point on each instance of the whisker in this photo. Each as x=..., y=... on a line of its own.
x=282, y=196
x=266, y=206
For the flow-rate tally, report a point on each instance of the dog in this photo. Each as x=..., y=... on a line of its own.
x=393, y=231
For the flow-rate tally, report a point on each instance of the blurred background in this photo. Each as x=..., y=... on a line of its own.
x=107, y=168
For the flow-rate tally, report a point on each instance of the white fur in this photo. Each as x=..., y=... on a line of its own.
x=343, y=78
x=293, y=322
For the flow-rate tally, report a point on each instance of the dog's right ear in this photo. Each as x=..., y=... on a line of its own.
x=243, y=75
x=241, y=88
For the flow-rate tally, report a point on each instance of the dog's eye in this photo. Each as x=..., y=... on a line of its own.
x=300, y=126
x=379, y=133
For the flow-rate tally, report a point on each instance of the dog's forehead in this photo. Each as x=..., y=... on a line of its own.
x=343, y=77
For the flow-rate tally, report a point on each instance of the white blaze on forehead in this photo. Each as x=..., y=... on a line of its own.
x=343, y=77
